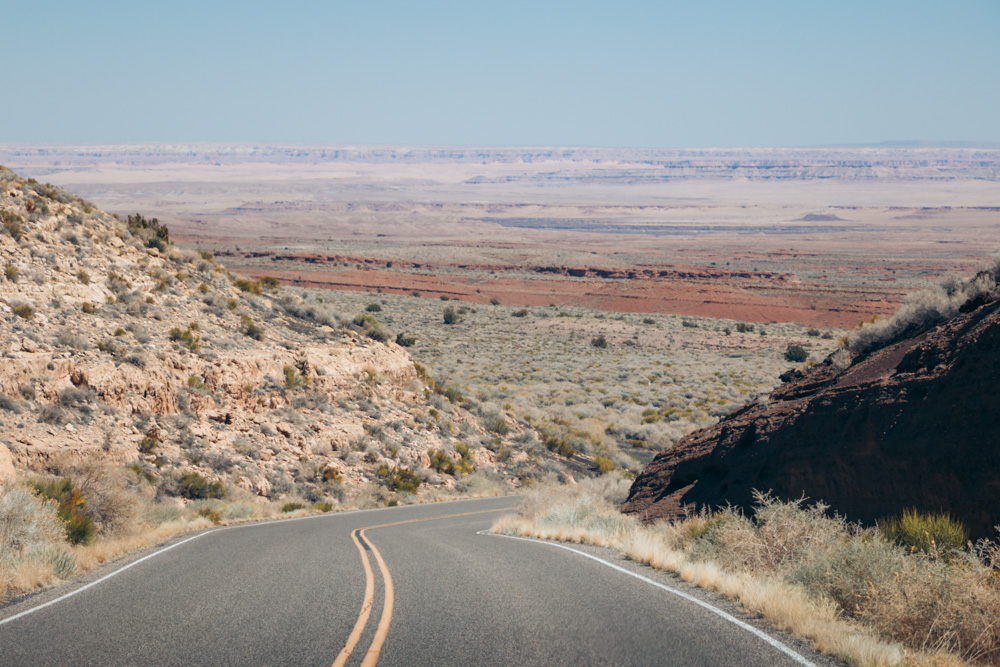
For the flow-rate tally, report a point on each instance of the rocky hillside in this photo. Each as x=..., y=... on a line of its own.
x=911, y=421
x=118, y=345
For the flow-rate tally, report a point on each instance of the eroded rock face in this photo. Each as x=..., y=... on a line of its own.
x=118, y=347
x=6, y=467
x=915, y=424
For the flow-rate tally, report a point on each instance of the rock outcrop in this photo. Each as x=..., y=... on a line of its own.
x=118, y=345
x=7, y=472
x=915, y=424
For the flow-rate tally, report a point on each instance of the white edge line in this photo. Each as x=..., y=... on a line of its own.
x=797, y=657
x=257, y=524
x=94, y=583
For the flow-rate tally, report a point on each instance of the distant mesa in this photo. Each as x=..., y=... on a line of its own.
x=820, y=217
x=911, y=424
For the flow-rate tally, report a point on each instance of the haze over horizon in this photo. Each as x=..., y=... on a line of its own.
x=644, y=75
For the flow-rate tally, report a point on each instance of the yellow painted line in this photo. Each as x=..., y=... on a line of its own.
x=382, y=631
x=366, y=607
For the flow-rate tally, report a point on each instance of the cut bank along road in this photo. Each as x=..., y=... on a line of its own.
x=408, y=585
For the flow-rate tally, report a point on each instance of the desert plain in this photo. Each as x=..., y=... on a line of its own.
x=823, y=237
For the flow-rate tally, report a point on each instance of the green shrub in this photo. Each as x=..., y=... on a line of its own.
x=24, y=311
x=441, y=462
x=12, y=223
x=293, y=378
x=211, y=514
x=194, y=486
x=743, y=327
x=291, y=507
x=690, y=324
x=186, y=337
x=11, y=272
x=930, y=533
x=141, y=472
x=323, y=506
x=796, y=353
x=88, y=308
x=248, y=286
x=378, y=334
x=148, y=444
x=269, y=283
x=600, y=342
x=405, y=341
x=452, y=394
x=450, y=316
x=250, y=329
x=151, y=231
x=650, y=416
x=495, y=423
x=70, y=506
x=602, y=464
x=520, y=313
x=402, y=480
x=494, y=301
x=559, y=445
x=373, y=308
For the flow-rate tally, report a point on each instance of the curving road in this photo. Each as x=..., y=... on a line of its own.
x=412, y=585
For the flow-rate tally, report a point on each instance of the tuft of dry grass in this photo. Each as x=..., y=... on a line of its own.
x=848, y=590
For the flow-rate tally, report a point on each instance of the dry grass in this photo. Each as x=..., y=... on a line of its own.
x=848, y=590
x=34, y=552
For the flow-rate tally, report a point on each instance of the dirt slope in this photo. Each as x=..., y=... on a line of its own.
x=913, y=424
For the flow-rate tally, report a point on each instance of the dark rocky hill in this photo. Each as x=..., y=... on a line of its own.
x=914, y=423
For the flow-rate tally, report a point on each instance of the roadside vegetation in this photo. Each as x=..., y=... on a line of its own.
x=76, y=515
x=910, y=591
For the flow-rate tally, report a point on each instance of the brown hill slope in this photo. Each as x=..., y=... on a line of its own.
x=914, y=423
x=118, y=346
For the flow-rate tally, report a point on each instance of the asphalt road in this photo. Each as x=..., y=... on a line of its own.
x=291, y=592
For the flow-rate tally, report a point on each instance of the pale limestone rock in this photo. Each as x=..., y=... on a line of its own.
x=7, y=472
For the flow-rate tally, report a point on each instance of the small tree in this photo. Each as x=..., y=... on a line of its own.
x=450, y=316
x=796, y=353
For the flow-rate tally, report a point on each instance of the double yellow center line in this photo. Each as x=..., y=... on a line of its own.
x=358, y=535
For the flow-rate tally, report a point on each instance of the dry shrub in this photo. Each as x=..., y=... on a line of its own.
x=941, y=606
x=925, y=308
x=848, y=589
x=927, y=601
x=27, y=522
x=32, y=549
x=113, y=500
x=779, y=534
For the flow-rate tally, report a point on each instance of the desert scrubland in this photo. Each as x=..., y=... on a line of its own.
x=438, y=321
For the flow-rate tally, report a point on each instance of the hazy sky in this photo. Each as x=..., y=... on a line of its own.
x=657, y=74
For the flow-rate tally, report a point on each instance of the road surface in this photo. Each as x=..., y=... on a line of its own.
x=411, y=585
